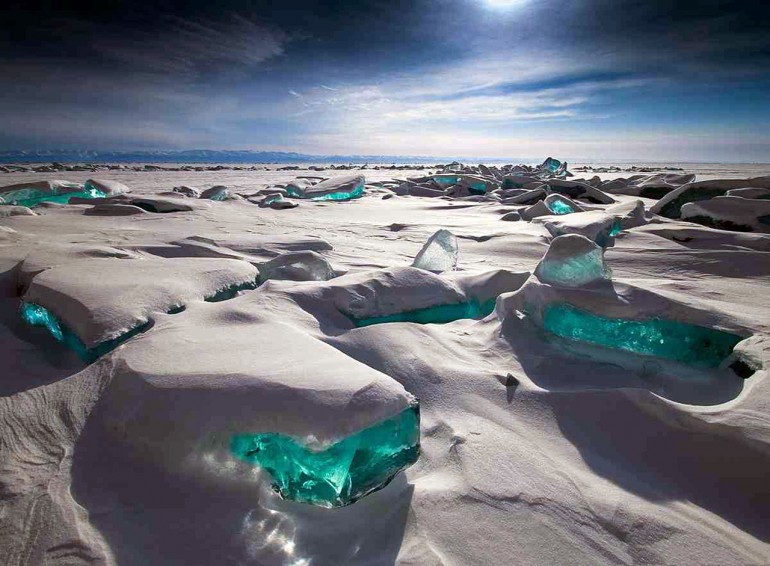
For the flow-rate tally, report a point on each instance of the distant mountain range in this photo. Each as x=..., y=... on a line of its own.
x=214, y=156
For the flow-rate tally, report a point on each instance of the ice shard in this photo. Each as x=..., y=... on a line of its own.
x=673, y=340
x=338, y=474
x=439, y=253
x=572, y=261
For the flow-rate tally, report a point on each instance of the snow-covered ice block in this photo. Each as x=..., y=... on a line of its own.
x=579, y=190
x=218, y=192
x=33, y=193
x=13, y=210
x=595, y=225
x=730, y=213
x=343, y=187
x=103, y=299
x=160, y=204
x=670, y=205
x=326, y=428
x=572, y=260
x=106, y=187
x=187, y=191
x=439, y=253
x=749, y=192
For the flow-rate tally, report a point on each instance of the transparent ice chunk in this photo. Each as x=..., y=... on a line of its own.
x=338, y=474
x=572, y=261
x=439, y=253
x=297, y=266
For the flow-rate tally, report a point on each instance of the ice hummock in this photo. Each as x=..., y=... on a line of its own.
x=344, y=187
x=341, y=473
x=572, y=260
x=439, y=253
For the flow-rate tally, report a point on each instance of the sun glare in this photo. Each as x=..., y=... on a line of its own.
x=503, y=4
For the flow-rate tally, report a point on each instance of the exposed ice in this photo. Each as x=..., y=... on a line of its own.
x=439, y=314
x=339, y=474
x=572, y=261
x=344, y=187
x=439, y=253
x=687, y=343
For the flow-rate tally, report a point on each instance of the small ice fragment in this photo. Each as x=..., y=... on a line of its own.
x=296, y=266
x=439, y=253
x=572, y=260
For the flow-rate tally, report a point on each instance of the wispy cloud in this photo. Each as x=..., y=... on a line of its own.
x=187, y=46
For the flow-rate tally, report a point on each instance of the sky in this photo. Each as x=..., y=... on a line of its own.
x=580, y=79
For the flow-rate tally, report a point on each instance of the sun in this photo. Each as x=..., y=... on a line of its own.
x=503, y=4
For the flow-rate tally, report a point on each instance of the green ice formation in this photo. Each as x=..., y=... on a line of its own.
x=552, y=164
x=33, y=197
x=338, y=474
x=446, y=180
x=440, y=314
x=687, y=343
x=559, y=207
x=357, y=192
x=37, y=315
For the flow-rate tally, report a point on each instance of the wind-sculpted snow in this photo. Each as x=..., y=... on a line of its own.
x=259, y=403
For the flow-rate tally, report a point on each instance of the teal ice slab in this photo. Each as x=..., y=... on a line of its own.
x=36, y=315
x=446, y=180
x=33, y=197
x=440, y=314
x=338, y=474
x=358, y=192
x=687, y=343
x=559, y=207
